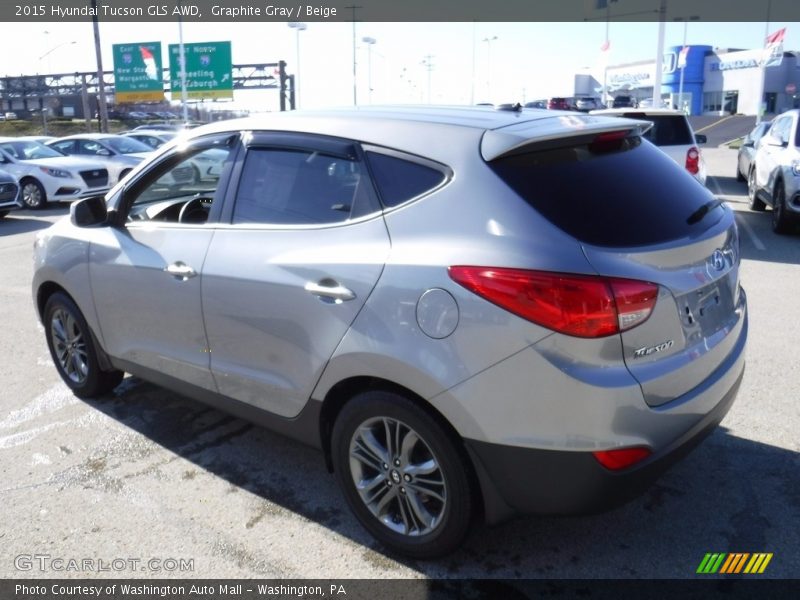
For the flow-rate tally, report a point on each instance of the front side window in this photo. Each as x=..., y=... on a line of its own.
x=182, y=190
x=300, y=187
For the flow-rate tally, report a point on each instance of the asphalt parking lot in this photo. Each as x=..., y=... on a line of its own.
x=176, y=489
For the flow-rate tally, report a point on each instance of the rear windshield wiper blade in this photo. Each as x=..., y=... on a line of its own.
x=701, y=212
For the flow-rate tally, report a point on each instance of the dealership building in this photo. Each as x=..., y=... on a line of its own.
x=715, y=81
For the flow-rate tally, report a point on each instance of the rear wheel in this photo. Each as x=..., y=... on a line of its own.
x=73, y=349
x=402, y=474
x=755, y=202
x=3, y=213
x=782, y=222
x=33, y=195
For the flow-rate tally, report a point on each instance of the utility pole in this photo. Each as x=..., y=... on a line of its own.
x=662, y=17
x=101, y=88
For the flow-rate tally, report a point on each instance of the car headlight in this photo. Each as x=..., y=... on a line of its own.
x=796, y=167
x=55, y=172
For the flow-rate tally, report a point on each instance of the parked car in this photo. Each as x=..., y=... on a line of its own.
x=561, y=103
x=774, y=178
x=119, y=153
x=747, y=151
x=46, y=175
x=462, y=327
x=587, y=103
x=536, y=104
x=672, y=133
x=9, y=194
x=152, y=138
x=624, y=101
x=648, y=103
x=42, y=139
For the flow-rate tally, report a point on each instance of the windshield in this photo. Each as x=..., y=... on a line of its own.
x=29, y=150
x=126, y=145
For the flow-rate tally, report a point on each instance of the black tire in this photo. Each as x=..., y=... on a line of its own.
x=756, y=203
x=401, y=500
x=3, y=213
x=73, y=349
x=782, y=222
x=33, y=194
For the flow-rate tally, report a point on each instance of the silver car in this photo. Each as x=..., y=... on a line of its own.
x=774, y=176
x=471, y=312
x=119, y=153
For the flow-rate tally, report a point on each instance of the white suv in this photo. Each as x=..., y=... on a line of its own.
x=774, y=176
x=672, y=133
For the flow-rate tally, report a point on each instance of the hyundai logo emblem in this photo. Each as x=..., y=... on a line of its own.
x=718, y=260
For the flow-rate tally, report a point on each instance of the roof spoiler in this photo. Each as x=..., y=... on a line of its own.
x=553, y=131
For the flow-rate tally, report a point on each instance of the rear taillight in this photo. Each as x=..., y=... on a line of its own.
x=616, y=460
x=579, y=305
x=693, y=160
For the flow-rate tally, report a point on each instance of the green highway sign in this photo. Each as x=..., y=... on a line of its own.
x=138, y=72
x=208, y=70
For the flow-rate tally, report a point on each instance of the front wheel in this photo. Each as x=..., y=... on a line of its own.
x=33, y=194
x=402, y=474
x=755, y=202
x=73, y=349
x=782, y=222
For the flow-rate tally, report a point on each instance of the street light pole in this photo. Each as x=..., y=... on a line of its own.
x=369, y=41
x=489, y=41
x=682, y=57
x=298, y=27
x=44, y=103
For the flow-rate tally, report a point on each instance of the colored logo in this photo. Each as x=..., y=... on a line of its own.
x=736, y=562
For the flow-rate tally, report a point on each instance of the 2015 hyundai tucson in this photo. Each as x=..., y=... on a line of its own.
x=471, y=312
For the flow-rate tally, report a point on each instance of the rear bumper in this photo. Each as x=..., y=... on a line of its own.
x=518, y=480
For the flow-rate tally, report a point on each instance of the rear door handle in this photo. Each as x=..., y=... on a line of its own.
x=180, y=270
x=327, y=290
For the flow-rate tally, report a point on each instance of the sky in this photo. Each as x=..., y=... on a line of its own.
x=440, y=63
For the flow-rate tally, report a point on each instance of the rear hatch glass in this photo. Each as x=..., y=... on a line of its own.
x=629, y=195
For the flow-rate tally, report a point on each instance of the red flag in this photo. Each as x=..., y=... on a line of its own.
x=776, y=38
x=682, y=55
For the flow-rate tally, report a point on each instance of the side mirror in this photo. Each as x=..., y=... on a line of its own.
x=749, y=144
x=700, y=138
x=771, y=140
x=89, y=212
x=103, y=152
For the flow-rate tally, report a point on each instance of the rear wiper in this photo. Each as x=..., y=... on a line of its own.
x=701, y=212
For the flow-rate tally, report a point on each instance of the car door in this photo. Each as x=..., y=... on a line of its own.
x=146, y=271
x=303, y=247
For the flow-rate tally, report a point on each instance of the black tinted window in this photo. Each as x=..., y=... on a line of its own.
x=633, y=196
x=401, y=180
x=299, y=187
x=667, y=130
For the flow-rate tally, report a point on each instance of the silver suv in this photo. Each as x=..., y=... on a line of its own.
x=471, y=312
x=774, y=176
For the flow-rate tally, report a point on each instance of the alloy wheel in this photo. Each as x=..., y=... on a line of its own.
x=397, y=476
x=69, y=345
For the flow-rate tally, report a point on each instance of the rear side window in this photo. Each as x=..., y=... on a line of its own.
x=300, y=187
x=400, y=180
x=667, y=130
x=632, y=196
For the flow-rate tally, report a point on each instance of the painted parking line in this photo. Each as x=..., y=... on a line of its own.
x=744, y=225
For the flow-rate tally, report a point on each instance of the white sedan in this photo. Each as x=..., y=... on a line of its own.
x=47, y=175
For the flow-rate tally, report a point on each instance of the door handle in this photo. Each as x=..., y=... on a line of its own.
x=332, y=291
x=180, y=270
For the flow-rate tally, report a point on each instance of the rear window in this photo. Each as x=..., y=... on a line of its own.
x=634, y=195
x=667, y=130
